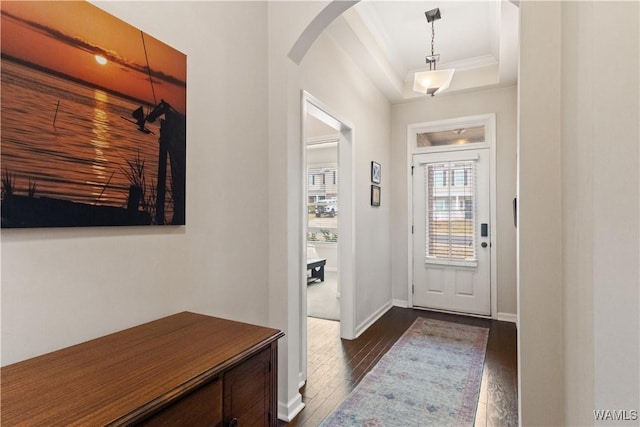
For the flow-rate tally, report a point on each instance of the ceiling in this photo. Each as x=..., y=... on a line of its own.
x=389, y=40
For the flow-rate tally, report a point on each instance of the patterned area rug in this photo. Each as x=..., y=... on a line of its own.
x=430, y=377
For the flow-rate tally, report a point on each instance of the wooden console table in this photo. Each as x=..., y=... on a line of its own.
x=183, y=370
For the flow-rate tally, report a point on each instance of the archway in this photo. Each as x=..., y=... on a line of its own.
x=286, y=189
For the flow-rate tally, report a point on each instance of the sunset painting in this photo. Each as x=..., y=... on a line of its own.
x=93, y=119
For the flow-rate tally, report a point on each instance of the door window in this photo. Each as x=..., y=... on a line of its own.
x=450, y=228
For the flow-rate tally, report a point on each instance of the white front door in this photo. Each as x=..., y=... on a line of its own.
x=451, y=235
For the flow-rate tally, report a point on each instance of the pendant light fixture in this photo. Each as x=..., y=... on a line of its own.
x=432, y=81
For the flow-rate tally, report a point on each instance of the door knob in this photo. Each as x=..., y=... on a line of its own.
x=483, y=244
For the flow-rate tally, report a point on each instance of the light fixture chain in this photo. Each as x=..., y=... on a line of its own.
x=432, y=81
x=433, y=36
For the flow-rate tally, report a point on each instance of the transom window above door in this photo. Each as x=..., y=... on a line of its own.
x=457, y=136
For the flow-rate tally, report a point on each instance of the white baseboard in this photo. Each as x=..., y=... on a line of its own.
x=508, y=317
x=287, y=412
x=372, y=319
x=401, y=303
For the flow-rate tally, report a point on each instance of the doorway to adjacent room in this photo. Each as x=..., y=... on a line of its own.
x=328, y=229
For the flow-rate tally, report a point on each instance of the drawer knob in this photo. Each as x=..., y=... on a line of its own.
x=233, y=422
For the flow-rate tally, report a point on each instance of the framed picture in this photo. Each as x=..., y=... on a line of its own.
x=375, y=172
x=375, y=195
x=81, y=118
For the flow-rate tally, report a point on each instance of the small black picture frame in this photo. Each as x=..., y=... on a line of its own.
x=375, y=195
x=376, y=172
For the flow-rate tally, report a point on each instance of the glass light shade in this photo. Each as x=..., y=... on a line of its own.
x=432, y=82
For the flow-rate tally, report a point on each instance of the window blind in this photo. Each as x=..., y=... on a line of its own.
x=450, y=211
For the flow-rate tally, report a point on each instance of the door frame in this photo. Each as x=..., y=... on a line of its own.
x=489, y=122
x=346, y=224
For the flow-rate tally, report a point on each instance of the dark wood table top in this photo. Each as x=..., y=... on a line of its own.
x=121, y=377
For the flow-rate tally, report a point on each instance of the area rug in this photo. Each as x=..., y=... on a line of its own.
x=430, y=377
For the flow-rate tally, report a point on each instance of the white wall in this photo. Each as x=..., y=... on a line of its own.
x=577, y=180
x=579, y=186
x=63, y=286
x=286, y=22
x=540, y=286
x=601, y=215
x=615, y=122
x=501, y=101
x=322, y=154
x=293, y=24
x=328, y=74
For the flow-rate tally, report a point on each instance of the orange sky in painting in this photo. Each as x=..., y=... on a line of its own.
x=65, y=36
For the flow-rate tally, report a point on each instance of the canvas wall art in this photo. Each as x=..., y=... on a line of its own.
x=93, y=116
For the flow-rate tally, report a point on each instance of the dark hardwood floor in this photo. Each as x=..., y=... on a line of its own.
x=336, y=366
